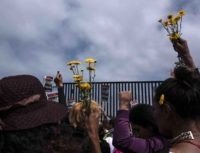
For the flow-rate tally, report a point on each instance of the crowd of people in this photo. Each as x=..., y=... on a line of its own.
x=29, y=123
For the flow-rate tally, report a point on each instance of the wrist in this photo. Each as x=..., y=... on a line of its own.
x=60, y=85
x=188, y=60
x=185, y=55
x=124, y=107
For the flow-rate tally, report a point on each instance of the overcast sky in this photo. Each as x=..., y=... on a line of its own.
x=39, y=37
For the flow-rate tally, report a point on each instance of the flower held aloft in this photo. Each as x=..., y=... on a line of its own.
x=173, y=25
x=86, y=105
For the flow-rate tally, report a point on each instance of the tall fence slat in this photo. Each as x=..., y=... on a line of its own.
x=142, y=91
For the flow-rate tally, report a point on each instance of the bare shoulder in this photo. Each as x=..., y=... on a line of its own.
x=184, y=148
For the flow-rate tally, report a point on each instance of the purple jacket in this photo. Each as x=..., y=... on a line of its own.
x=124, y=141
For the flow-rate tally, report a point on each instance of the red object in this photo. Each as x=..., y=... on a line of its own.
x=51, y=95
x=48, y=78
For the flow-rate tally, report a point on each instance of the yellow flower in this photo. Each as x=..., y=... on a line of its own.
x=174, y=36
x=90, y=60
x=162, y=99
x=181, y=13
x=176, y=18
x=166, y=23
x=91, y=68
x=170, y=16
x=73, y=63
x=85, y=86
x=78, y=77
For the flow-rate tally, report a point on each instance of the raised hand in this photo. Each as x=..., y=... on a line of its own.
x=125, y=99
x=58, y=80
x=181, y=47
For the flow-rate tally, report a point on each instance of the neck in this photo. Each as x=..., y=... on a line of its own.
x=186, y=125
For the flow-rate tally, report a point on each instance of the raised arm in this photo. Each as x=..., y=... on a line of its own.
x=123, y=139
x=181, y=47
x=92, y=128
x=59, y=83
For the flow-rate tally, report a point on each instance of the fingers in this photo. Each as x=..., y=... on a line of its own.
x=180, y=46
x=181, y=40
x=58, y=79
x=177, y=46
x=125, y=98
x=59, y=76
x=133, y=103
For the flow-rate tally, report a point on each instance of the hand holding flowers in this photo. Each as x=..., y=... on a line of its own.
x=173, y=26
x=83, y=108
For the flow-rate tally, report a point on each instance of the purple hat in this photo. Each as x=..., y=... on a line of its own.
x=23, y=104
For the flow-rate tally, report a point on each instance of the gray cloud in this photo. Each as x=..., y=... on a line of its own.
x=39, y=37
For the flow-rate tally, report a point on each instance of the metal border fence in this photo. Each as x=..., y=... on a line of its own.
x=106, y=93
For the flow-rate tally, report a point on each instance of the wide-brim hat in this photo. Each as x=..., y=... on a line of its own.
x=24, y=105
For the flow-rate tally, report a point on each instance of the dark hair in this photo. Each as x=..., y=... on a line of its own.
x=25, y=141
x=182, y=92
x=69, y=140
x=112, y=121
x=42, y=139
x=142, y=114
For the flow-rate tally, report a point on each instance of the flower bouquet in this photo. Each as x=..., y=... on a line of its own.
x=173, y=26
x=85, y=105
